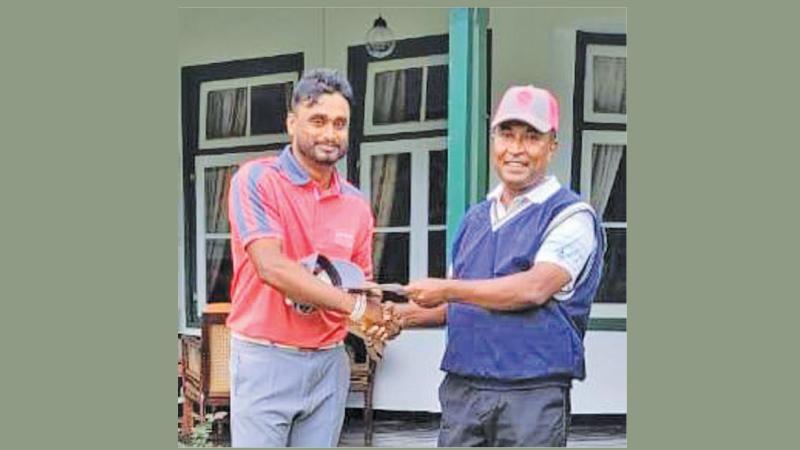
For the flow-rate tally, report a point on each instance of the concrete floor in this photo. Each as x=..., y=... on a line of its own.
x=421, y=430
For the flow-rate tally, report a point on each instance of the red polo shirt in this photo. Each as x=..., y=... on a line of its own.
x=275, y=198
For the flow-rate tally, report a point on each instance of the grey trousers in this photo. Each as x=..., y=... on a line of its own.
x=287, y=398
x=479, y=417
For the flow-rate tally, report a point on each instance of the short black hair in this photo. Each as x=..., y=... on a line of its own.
x=317, y=82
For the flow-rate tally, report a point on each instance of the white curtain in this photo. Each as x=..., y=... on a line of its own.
x=226, y=113
x=605, y=164
x=384, y=177
x=609, y=84
x=390, y=105
x=390, y=97
x=218, y=180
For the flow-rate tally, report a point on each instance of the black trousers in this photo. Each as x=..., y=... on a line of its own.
x=480, y=417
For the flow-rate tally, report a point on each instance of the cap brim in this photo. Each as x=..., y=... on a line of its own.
x=309, y=262
x=540, y=125
x=352, y=277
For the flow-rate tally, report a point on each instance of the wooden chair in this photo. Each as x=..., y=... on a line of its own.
x=363, y=363
x=206, y=377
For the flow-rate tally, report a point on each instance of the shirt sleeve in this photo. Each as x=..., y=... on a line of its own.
x=569, y=245
x=252, y=207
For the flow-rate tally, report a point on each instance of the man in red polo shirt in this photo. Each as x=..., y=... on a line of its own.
x=289, y=370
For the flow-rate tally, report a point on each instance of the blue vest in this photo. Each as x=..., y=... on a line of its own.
x=543, y=342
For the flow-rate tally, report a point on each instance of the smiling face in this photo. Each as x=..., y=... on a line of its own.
x=521, y=154
x=319, y=129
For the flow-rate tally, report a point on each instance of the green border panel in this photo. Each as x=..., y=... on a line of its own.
x=466, y=121
x=608, y=324
x=458, y=121
x=479, y=19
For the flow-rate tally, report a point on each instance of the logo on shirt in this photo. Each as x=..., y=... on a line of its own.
x=344, y=239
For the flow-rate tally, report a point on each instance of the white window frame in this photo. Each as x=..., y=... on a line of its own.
x=262, y=139
x=399, y=64
x=591, y=137
x=418, y=223
x=202, y=163
x=593, y=50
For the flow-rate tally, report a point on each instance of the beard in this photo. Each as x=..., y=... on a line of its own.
x=326, y=154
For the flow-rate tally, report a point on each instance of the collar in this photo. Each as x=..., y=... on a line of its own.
x=539, y=193
x=298, y=175
x=292, y=168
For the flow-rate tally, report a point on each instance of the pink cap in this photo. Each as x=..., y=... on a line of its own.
x=534, y=106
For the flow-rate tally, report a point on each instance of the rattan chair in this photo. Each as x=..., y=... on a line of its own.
x=206, y=377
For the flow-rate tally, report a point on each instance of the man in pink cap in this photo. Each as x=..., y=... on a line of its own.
x=526, y=264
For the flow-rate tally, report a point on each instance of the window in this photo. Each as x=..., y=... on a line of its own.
x=606, y=84
x=244, y=111
x=600, y=151
x=405, y=95
x=604, y=179
x=406, y=183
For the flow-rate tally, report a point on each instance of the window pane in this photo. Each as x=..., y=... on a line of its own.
x=226, y=113
x=436, y=94
x=609, y=84
x=219, y=269
x=436, y=254
x=390, y=256
x=269, y=103
x=398, y=94
x=614, y=282
x=218, y=180
x=609, y=182
x=437, y=187
x=616, y=210
x=391, y=189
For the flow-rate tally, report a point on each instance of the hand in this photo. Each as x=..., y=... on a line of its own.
x=413, y=315
x=372, y=316
x=389, y=329
x=395, y=320
x=428, y=292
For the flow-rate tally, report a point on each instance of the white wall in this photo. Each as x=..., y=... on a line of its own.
x=408, y=378
x=605, y=389
x=215, y=35
x=322, y=34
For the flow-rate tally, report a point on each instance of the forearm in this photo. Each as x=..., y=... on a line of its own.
x=509, y=293
x=416, y=316
x=294, y=281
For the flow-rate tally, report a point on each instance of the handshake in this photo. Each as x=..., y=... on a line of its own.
x=380, y=322
x=384, y=321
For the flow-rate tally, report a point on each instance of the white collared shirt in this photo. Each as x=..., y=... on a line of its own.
x=569, y=243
